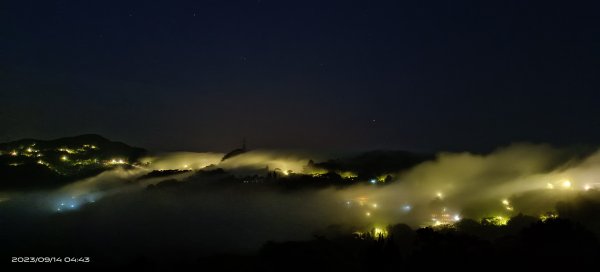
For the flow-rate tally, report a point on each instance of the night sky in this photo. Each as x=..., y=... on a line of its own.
x=201, y=75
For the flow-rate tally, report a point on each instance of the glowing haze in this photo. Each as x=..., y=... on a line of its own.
x=525, y=178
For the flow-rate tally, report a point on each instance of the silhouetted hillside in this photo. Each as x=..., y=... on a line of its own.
x=32, y=163
x=374, y=163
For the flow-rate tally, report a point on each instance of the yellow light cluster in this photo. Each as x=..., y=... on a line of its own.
x=378, y=231
x=116, y=161
x=507, y=205
x=68, y=150
x=496, y=220
x=43, y=163
x=564, y=184
x=439, y=195
x=548, y=215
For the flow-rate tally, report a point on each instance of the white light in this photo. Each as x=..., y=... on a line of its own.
x=407, y=208
x=550, y=186
x=587, y=187
x=374, y=205
x=72, y=206
x=566, y=184
x=456, y=217
x=373, y=181
x=439, y=195
x=368, y=214
x=505, y=202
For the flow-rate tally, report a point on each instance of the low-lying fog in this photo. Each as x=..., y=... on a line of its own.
x=114, y=212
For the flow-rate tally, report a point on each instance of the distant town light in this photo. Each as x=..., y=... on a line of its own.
x=380, y=231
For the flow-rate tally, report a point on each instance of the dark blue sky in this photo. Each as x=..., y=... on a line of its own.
x=200, y=75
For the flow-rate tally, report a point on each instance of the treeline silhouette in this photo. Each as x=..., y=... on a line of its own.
x=524, y=243
x=469, y=244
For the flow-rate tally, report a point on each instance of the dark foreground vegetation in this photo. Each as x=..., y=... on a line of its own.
x=468, y=245
x=524, y=242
